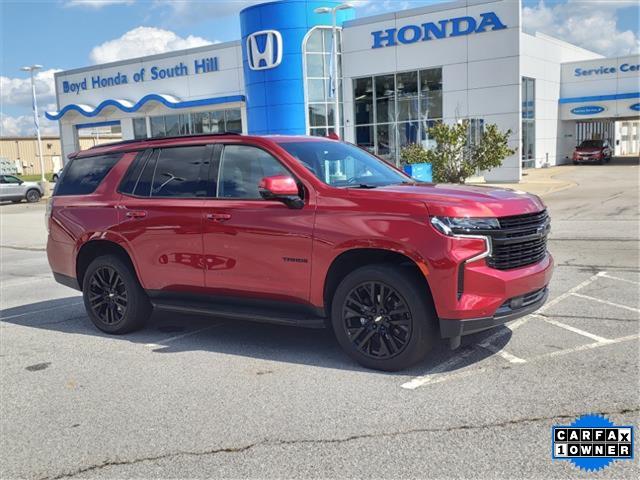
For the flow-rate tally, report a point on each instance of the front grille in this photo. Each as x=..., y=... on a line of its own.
x=520, y=241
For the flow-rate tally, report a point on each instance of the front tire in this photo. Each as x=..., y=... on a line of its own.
x=383, y=317
x=33, y=196
x=113, y=297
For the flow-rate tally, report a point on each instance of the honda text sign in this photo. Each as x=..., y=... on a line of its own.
x=264, y=50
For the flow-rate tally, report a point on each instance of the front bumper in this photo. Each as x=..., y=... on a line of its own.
x=511, y=309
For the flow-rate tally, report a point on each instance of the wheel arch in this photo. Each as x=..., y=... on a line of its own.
x=93, y=249
x=354, y=258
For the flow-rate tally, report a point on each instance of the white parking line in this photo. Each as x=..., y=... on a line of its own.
x=178, y=337
x=440, y=368
x=434, y=378
x=503, y=353
x=570, y=292
x=435, y=374
x=588, y=346
x=606, y=302
x=597, y=338
x=611, y=277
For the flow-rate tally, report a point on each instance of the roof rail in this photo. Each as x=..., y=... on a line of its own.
x=140, y=140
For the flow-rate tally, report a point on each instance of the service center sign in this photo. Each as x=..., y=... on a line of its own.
x=602, y=70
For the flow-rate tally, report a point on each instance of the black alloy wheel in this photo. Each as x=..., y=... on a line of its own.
x=377, y=320
x=108, y=295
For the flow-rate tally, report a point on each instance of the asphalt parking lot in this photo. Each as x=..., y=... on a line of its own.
x=200, y=397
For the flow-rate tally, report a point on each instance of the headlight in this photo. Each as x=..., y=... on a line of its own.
x=453, y=226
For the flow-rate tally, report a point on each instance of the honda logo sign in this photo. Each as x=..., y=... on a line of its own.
x=264, y=50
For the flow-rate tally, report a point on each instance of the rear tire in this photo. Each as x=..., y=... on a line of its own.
x=33, y=196
x=113, y=297
x=390, y=329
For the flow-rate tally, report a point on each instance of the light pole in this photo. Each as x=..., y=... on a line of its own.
x=335, y=84
x=31, y=69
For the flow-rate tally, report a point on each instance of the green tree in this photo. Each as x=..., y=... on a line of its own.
x=455, y=158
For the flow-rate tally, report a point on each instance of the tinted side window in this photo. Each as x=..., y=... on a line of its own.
x=83, y=175
x=133, y=173
x=143, y=184
x=179, y=172
x=242, y=169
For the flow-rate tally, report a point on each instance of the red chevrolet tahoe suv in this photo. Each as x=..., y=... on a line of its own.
x=296, y=231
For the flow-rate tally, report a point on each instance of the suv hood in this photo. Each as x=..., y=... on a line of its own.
x=463, y=200
x=589, y=149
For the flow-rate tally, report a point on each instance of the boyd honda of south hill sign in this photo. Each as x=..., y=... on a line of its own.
x=453, y=27
x=205, y=65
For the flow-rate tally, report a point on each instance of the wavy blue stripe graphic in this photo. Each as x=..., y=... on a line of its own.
x=126, y=106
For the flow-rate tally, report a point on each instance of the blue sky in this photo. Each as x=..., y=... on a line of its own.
x=63, y=34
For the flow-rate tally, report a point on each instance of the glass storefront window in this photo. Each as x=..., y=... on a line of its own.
x=407, y=85
x=157, y=127
x=317, y=114
x=139, y=128
x=528, y=122
x=386, y=142
x=233, y=120
x=365, y=138
x=314, y=41
x=385, y=99
x=393, y=111
x=363, y=100
x=408, y=133
x=184, y=124
x=319, y=78
x=315, y=66
x=216, y=121
x=316, y=90
x=172, y=125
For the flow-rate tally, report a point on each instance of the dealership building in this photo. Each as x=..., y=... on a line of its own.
x=399, y=73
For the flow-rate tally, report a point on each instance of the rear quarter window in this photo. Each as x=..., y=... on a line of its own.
x=83, y=175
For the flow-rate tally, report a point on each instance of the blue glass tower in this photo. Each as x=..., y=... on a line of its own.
x=272, y=56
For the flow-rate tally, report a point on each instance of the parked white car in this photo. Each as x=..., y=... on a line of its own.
x=56, y=175
x=14, y=189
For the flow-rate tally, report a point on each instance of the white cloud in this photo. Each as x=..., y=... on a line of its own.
x=97, y=3
x=23, y=126
x=591, y=25
x=197, y=10
x=17, y=91
x=142, y=41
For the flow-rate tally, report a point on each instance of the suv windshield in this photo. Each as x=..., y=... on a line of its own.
x=591, y=144
x=343, y=165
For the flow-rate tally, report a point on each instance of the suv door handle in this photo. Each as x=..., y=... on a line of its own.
x=136, y=214
x=218, y=217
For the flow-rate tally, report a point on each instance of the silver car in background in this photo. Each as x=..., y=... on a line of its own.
x=14, y=189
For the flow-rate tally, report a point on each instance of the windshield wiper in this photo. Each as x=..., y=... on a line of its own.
x=362, y=185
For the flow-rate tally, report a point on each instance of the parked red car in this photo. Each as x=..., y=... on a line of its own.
x=592, y=151
x=296, y=231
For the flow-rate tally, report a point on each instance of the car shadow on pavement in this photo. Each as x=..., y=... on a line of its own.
x=167, y=333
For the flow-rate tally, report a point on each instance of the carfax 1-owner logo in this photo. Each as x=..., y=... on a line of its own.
x=592, y=442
